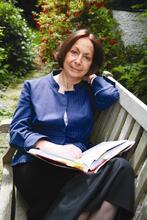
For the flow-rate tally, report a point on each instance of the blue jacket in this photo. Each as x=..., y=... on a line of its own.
x=41, y=108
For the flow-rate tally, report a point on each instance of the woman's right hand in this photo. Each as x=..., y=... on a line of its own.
x=69, y=150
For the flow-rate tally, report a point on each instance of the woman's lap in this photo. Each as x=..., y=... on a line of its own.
x=110, y=183
x=39, y=177
x=117, y=188
x=87, y=192
x=39, y=184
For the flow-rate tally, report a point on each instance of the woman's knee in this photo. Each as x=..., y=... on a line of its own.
x=124, y=164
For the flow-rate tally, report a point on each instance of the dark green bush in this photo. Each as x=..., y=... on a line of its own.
x=133, y=73
x=15, y=44
x=4, y=74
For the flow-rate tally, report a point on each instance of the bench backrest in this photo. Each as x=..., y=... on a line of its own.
x=127, y=119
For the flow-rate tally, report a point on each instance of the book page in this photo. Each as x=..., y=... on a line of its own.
x=111, y=153
x=95, y=152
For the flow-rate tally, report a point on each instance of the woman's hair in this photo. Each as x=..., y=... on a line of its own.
x=98, y=57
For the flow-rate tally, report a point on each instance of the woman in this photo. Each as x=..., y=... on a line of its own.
x=55, y=113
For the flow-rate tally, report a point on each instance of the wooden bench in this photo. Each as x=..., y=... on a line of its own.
x=127, y=119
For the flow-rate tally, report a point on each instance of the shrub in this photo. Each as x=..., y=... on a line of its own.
x=58, y=19
x=132, y=74
x=15, y=43
x=3, y=57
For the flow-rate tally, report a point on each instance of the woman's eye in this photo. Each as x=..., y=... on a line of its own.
x=87, y=58
x=74, y=52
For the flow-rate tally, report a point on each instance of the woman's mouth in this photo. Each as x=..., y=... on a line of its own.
x=74, y=69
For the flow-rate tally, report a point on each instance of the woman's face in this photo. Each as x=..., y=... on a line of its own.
x=79, y=59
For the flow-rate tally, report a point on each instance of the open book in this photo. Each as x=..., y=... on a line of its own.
x=92, y=159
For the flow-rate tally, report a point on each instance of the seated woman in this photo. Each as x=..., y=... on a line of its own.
x=56, y=114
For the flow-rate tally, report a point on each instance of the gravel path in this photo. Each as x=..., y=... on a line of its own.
x=134, y=29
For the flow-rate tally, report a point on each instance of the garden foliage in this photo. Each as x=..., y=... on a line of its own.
x=132, y=72
x=15, y=44
x=57, y=19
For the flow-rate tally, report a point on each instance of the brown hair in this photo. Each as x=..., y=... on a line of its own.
x=98, y=56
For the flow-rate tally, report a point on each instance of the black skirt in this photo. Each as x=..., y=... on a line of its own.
x=64, y=194
x=113, y=183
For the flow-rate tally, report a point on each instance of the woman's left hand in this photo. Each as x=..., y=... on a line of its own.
x=68, y=150
x=90, y=78
x=75, y=152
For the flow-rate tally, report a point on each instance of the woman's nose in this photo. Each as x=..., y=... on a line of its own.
x=79, y=59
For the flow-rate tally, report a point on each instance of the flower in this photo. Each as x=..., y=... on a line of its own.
x=45, y=10
x=76, y=14
x=99, y=4
x=68, y=13
x=38, y=24
x=112, y=42
x=34, y=14
x=43, y=60
x=68, y=31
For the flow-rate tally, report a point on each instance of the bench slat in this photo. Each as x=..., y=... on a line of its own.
x=102, y=128
x=141, y=211
x=104, y=135
x=100, y=122
x=136, y=132
x=118, y=124
x=141, y=183
x=135, y=135
x=140, y=152
x=6, y=193
x=127, y=127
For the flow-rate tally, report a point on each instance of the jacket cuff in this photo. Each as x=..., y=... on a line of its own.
x=81, y=146
x=101, y=83
x=32, y=139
